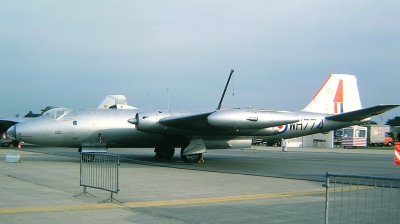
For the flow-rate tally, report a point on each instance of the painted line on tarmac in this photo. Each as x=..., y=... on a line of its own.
x=302, y=158
x=222, y=199
x=142, y=204
x=58, y=208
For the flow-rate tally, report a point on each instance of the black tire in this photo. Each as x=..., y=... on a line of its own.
x=165, y=152
x=6, y=144
x=193, y=158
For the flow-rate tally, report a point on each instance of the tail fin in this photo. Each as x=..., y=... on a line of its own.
x=338, y=94
x=115, y=101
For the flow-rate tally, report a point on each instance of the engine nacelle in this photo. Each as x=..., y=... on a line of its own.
x=149, y=122
x=243, y=119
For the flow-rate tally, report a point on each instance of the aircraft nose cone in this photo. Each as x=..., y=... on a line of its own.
x=11, y=132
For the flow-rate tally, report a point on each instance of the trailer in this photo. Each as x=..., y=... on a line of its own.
x=377, y=135
x=354, y=136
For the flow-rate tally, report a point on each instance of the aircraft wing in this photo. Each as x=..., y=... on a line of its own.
x=230, y=119
x=361, y=114
x=6, y=122
x=192, y=121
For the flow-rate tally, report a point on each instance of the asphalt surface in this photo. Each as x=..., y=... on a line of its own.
x=263, y=185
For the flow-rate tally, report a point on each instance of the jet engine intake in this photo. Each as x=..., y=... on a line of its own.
x=149, y=122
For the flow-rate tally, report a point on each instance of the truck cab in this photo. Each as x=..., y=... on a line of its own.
x=390, y=137
x=337, y=139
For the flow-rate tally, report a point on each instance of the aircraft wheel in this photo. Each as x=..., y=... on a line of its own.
x=193, y=158
x=166, y=152
x=7, y=144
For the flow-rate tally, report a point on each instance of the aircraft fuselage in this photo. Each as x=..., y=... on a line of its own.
x=109, y=128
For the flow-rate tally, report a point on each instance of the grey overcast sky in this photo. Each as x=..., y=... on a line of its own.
x=74, y=53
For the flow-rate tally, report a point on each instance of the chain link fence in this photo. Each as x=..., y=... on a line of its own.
x=362, y=199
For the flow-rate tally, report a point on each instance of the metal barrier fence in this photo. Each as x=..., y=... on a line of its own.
x=100, y=171
x=362, y=199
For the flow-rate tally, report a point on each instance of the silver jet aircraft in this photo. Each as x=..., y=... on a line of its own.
x=335, y=105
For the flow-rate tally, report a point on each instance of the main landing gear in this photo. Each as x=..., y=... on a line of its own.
x=167, y=152
x=193, y=158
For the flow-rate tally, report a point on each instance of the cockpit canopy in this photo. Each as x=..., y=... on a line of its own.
x=56, y=113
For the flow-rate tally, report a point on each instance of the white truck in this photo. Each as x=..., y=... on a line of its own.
x=377, y=135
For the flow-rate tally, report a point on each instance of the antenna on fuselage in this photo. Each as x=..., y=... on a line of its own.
x=223, y=94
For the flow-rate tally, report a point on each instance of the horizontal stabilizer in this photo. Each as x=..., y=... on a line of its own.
x=361, y=114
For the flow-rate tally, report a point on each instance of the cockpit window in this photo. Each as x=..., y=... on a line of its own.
x=55, y=113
